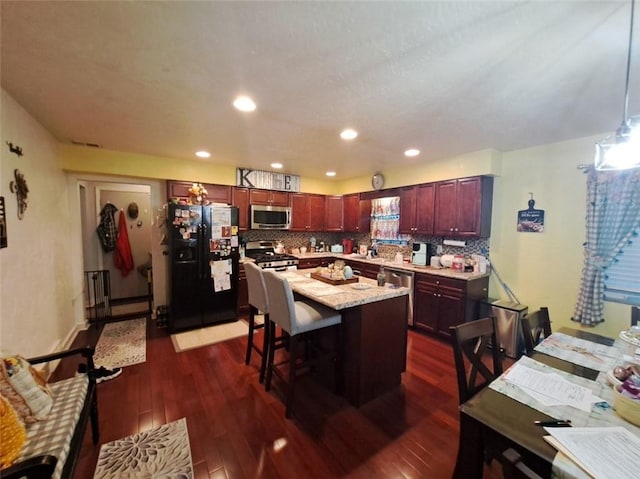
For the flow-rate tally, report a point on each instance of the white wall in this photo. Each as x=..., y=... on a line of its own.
x=36, y=294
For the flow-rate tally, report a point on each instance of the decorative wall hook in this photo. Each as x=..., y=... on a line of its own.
x=20, y=188
x=15, y=149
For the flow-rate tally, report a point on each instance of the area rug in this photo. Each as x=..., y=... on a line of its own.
x=122, y=344
x=198, y=338
x=163, y=451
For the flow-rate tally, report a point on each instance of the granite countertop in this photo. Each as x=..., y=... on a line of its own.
x=447, y=272
x=343, y=296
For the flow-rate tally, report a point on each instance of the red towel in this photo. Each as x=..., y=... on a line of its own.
x=122, y=257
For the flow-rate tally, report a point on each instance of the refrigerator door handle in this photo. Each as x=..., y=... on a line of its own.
x=205, y=247
x=199, y=250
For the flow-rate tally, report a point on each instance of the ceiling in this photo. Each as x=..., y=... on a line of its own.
x=447, y=78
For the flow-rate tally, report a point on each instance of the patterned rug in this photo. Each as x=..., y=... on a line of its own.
x=198, y=338
x=163, y=451
x=122, y=344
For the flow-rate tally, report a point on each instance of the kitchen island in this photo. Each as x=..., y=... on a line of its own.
x=374, y=332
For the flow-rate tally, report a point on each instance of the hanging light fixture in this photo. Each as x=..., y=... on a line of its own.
x=624, y=152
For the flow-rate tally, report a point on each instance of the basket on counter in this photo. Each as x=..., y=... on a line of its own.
x=625, y=407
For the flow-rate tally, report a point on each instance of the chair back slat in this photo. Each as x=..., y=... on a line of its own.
x=256, y=287
x=281, y=302
x=470, y=343
x=535, y=326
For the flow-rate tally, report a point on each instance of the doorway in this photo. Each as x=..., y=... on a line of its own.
x=115, y=294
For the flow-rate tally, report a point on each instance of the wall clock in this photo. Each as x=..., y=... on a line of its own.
x=377, y=181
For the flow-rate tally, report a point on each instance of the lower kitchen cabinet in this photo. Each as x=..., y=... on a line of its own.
x=441, y=302
x=314, y=262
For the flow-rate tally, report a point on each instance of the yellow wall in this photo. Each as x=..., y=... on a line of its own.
x=542, y=269
x=80, y=159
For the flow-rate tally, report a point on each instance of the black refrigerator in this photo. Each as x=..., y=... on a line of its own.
x=203, y=265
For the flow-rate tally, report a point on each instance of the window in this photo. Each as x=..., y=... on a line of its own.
x=622, y=278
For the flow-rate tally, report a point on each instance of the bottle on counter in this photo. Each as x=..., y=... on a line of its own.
x=381, y=276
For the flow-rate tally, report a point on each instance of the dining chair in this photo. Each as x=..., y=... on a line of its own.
x=298, y=319
x=258, y=303
x=535, y=326
x=470, y=343
x=513, y=466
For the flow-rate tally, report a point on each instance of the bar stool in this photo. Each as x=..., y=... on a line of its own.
x=297, y=319
x=258, y=302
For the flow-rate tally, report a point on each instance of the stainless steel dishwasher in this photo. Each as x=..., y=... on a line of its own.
x=401, y=277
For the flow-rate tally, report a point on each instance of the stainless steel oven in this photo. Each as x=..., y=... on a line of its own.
x=264, y=255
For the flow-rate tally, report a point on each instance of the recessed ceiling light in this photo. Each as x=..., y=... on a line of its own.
x=348, y=134
x=412, y=152
x=330, y=173
x=277, y=166
x=244, y=103
x=203, y=154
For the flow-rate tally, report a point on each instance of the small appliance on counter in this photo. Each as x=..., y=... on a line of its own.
x=422, y=253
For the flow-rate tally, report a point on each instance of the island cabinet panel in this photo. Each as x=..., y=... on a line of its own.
x=215, y=193
x=417, y=204
x=268, y=197
x=463, y=207
x=334, y=213
x=441, y=302
x=240, y=199
x=375, y=348
x=307, y=212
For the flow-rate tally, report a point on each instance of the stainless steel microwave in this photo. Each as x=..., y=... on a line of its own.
x=265, y=217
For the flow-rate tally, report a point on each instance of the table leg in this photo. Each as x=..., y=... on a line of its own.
x=470, y=450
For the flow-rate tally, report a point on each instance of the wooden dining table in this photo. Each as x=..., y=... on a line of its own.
x=492, y=421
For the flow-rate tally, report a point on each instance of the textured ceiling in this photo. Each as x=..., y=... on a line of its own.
x=447, y=78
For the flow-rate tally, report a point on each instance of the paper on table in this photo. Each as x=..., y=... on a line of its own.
x=550, y=389
x=603, y=452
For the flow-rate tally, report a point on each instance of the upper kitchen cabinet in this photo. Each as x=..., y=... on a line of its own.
x=215, y=193
x=463, y=207
x=417, y=209
x=334, y=213
x=268, y=197
x=240, y=199
x=357, y=213
x=307, y=212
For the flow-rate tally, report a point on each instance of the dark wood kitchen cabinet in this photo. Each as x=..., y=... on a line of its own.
x=463, y=207
x=268, y=197
x=307, y=263
x=417, y=209
x=356, y=213
x=333, y=213
x=441, y=302
x=215, y=193
x=307, y=212
x=240, y=199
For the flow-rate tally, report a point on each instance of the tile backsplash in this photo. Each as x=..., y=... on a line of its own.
x=298, y=239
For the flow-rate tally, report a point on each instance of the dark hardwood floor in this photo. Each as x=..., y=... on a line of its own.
x=237, y=430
